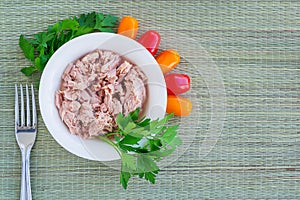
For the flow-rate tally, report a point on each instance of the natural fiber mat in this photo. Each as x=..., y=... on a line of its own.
x=241, y=141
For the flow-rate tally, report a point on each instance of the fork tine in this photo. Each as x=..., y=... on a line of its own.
x=17, y=120
x=22, y=106
x=34, y=118
x=27, y=106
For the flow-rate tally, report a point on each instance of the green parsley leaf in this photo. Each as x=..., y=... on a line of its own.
x=169, y=135
x=109, y=20
x=99, y=19
x=37, y=64
x=42, y=38
x=27, y=48
x=141, y=143
x=105, y=23
x=88, y=20
x=68, y=24
x=28, y=70
x=82, y=30
x=134, y=115
x=124, y=178
x=150, y=176
x=128, y=162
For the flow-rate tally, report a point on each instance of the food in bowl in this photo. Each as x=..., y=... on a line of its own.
x=95, y=88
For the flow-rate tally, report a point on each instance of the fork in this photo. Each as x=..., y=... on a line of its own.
x=25, y=131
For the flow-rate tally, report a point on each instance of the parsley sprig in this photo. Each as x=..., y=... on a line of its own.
x=42, y=46
x=141, y=143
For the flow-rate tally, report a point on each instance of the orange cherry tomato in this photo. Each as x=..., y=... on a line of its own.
x=178, y=105
x=128, y=27
x=168, y=60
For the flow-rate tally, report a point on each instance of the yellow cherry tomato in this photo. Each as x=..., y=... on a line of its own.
x=168, y=60
x=178, y=105
x=128, y=27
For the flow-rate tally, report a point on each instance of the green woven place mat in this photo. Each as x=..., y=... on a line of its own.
x=246, y=51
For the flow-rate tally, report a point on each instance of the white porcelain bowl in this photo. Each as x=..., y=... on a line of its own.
x=74, y=49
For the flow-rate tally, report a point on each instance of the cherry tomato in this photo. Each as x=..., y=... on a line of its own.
x=150, y=40
x=178, y=105
x=168, y=60
x=177, y=83
x=128, y=27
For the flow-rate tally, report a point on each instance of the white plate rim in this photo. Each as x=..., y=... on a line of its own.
x=76, y=145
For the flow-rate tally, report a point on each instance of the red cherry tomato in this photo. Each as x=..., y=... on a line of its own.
x=177, y=83
x=150, y=40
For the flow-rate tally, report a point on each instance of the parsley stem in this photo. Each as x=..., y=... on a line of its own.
x=108, y=141
x=110, y=134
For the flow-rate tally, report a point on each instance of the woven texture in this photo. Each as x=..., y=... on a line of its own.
x=255, y=48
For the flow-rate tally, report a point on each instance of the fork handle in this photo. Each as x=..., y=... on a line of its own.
x=25, y=193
